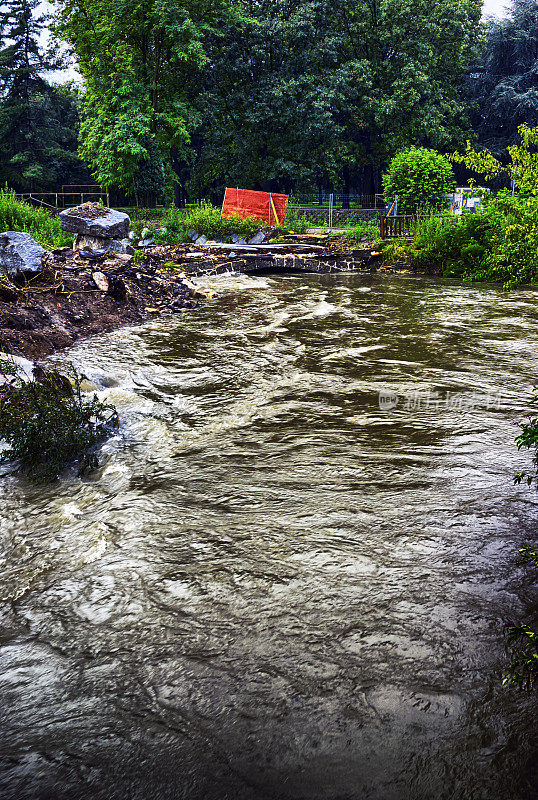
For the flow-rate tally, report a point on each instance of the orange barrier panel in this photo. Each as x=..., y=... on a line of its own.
x=265, y=206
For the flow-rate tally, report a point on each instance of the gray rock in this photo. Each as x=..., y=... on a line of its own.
x=19, y=253
x=145, y=233
x=258, y=238
x=235, y=238
x=201, y=240
x=192, y=235
x=91, y=219
x=121, y=246
x=145, y=242
x=100, y=243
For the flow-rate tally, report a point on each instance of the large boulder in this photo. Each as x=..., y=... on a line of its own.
x=19, y=254
x=92, y=219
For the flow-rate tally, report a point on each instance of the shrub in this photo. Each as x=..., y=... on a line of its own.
x=42, y=226
x=47, y=423
x=357, y=230
x=418, y=176
x=499, y=243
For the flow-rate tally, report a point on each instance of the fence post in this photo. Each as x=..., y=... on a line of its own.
x=331, y=201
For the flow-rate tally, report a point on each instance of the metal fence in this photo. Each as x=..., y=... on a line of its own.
x=69, y=196
x=343, y=201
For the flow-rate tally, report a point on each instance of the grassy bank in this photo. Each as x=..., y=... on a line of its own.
x=499, y=243
x=42, y=226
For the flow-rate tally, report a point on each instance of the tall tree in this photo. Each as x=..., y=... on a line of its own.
x=137, y=61
x=325, y=91
x=504, y=84
x=24, y=96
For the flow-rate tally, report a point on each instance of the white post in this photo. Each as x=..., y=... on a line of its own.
x=331, y=201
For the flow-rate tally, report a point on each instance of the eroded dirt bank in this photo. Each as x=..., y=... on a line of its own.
x=65, y=302
x=80, y=295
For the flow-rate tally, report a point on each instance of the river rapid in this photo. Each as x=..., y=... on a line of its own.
x=273, y=587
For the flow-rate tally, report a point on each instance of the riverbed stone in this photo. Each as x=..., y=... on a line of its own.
x=91, y=219
x=258, y=238
x=100, y=243
x=20, y=254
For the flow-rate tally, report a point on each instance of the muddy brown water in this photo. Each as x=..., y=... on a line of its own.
x=272, y=587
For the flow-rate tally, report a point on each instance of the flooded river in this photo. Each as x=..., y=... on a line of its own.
x=290, y=575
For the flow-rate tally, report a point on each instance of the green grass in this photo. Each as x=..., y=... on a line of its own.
x=42, y=226
x=363, y=229
x=206, y=220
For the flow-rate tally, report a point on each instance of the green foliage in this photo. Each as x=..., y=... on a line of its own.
x=38, y=121
x=47, y=424
x=418, y=176
x=528, y=438
x=529, y=556
x=523, y=644
x=363, y=229
x=499, y=243
x=42, y=226
x=139, y=62
x=206, y=220
x=501, y=88
x=522, y=165
x=320, y=92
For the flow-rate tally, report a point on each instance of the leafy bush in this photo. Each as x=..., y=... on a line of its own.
x=499, y=243
x=522, y=642
x=360, y=229
x=418, y=176
x=42, y=226
x=206, y=220
x=47, y=423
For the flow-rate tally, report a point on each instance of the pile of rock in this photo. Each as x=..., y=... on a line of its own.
x=97, y=228
x=231, y=238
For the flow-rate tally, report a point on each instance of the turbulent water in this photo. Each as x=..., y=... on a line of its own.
x=273, y=587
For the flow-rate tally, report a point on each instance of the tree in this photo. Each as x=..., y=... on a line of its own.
x=503, y=85
x=37, y=121
x=137, y=62
x=519, y=165
x=324, y=92
x=418, y=176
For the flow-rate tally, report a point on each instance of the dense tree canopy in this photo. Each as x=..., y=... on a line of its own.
x=504, y=85
x=268, y=93
x=137, y=61
x=38, y=121
x=325, y=91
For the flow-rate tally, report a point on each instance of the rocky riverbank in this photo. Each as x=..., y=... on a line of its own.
x=48, y=300
x=75, y=297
